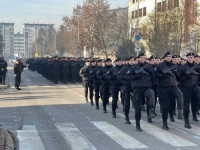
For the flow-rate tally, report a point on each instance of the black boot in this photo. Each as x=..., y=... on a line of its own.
x=127, y=121
x=197, y=113
x=138, y=128
x=151, y=113
x=195, y=118
x=104, y=110
x=165, y=125
x=114, y=115
x=187, y=124
x=172, y=119
x=97, y=106
x=150, y=120
x=92, y=104
x=180, y=114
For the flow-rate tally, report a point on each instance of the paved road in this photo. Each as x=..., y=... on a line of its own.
x=56, y=117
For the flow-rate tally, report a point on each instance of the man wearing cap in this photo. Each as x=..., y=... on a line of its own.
x=3, y=70
x=84, y=74
x=97, y=82
x=101, y=74
x=90, y=79
x=168, y=88
x=197, y=62
x=127, y=85
x=189, y=82
x=155, y=83
x=142, y=77
x=115, y=84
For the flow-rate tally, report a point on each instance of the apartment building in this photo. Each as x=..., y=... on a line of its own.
x=19, y=45
x=7, y=30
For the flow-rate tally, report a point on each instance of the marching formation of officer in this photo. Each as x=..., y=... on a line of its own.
x=3, y=70
x=172, y=81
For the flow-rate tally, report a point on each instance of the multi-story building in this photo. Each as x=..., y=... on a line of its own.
x=19, y=45
x=30, y=35
x=7, y=30
x=157, y=6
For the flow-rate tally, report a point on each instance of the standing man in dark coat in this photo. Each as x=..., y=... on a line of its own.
x=17, y=73
x=3, y=70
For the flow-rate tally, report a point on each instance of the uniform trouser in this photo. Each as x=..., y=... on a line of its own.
x=167, y=95
x=105, y=94
x=89, y=85
x=122, y=94
x=139, y=94
x=115, y=92
x=97, y=91
x=155, y=89
x=127, y=92
x=17, y=81
x=190, y=95
x=2, y=77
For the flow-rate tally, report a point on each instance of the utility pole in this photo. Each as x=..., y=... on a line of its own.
x=137, y=43
x=78, y=37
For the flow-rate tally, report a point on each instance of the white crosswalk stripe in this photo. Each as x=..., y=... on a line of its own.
x=29, y=139
x=123, y=139
x=74, y=137
x=163, y=135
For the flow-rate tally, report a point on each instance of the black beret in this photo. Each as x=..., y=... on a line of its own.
x=107, y=59
x=167, y=53
x=130, y=58
x=190, y=54
x=174, y=56
x=152, y=57
x=141, y=54
x=182, y=59
x=118, y=59
x=196, y=56
x=157, y=57
x=99, y=60
x=178, y=56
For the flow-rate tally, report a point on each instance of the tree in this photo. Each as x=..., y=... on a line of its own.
x=166, y=27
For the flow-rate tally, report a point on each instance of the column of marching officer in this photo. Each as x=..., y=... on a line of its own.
x=172, y=81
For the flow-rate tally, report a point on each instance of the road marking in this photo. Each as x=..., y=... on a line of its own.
x=73, y=136
x=29, y=138
x=163, y=135
x=179, y=124
x=123, y=139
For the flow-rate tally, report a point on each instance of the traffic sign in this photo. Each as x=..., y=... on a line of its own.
x=137, y=38
x=137, y=49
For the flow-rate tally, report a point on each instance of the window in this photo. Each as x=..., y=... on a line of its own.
x=170, y=4
x=176, y=3
x=140, y=12
x=144, y=11
x=164, y=6
x=159, y=7
x=133, y=14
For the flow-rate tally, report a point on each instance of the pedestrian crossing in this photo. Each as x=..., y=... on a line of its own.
x=30, y=139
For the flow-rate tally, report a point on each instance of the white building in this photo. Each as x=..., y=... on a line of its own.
x=7, y=30
x=30, y=35
x=19, y=45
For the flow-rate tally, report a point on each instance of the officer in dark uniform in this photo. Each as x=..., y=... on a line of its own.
x=142, y=76
x=127, y=89
x=168, y=88
x=56, y=70
x=101, y=74
x=189, y=82
x=3, y=70
x=84, y=74
x=96, y=81
x=115, y=84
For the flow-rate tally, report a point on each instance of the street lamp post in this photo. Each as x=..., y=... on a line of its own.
x=137, y=32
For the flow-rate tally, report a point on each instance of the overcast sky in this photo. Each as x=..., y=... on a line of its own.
x=41, y=11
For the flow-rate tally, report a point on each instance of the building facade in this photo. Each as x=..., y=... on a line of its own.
x=31, y=32
x=7, y=30
x=19, y=45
